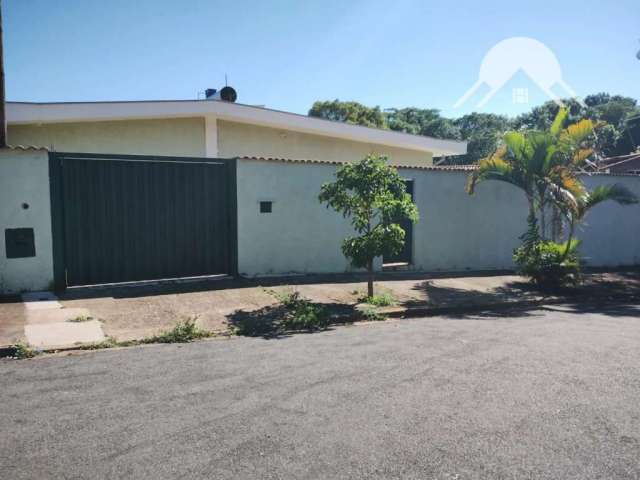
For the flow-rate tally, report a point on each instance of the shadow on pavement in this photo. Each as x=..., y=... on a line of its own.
x=267, y=322
x=171, y=287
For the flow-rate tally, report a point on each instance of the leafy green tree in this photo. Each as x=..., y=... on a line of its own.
x=420, y=121
x=482, y=131
x=373, y=196
x=613, y=139
x=349, y=112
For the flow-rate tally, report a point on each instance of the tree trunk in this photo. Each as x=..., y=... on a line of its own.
x=370, y=278
x=569, y=238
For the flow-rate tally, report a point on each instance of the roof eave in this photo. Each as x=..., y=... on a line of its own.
x=30, y=113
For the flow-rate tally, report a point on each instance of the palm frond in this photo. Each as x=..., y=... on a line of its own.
x=615, y=192
x=516, y=143
x=578, y=132
x=558, y=122
x=492, y=168
x=581, y=155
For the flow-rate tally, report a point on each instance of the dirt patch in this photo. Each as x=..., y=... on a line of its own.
x=12, y=321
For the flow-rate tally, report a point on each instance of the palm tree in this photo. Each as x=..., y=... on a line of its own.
x=546, y=165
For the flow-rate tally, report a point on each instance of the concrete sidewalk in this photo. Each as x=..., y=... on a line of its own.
x=136, y=312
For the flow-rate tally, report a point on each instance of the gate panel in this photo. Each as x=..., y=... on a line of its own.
x=140, y=218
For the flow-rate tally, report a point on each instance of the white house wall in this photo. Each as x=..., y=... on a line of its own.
x=611, y=233
x=300, y=235
x=24, y=178
x=456, y=232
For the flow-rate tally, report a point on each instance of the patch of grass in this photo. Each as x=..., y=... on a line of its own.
x=305, y=315
x=80, y=319
x=183, y=332
x=381, y=300
x=22, y=351
x=294, y=313
x=371, y=314
x=288, y=298
x=108, y=342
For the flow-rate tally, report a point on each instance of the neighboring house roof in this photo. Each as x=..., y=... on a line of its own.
x=621, y=164
x=29, y=113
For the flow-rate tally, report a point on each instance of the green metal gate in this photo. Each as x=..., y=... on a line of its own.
x=120, y=218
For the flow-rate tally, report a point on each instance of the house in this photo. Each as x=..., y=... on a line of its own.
x=629, y=164
x=210, y=128
x=128, y=191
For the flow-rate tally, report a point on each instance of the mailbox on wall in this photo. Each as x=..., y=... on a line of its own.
x=19, y=242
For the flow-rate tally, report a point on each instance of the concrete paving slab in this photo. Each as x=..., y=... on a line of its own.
x=63, y=334
x=13, y=318
x=57, y=315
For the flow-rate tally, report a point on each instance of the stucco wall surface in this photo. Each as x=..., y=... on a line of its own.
x=169, y=137
x=238, y=140
x=24, y=178
x=456, y=232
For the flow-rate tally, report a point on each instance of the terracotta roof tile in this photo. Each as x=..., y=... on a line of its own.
x=438, y=168
x=27, y=147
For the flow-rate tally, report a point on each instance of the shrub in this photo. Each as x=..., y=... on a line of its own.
x=549, y=264
x=371, y=314
x=302, y=314
x=22, y=351
x=184, y=331
x=294, y=312
x=381, y=300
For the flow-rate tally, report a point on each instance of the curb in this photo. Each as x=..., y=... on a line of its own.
x=420, y=311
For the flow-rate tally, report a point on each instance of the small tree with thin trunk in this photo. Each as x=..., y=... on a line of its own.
x=373, y=196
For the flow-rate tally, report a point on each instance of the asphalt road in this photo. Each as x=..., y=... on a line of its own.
x=539, y=394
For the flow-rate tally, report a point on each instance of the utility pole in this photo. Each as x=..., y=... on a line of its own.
x=3, y=118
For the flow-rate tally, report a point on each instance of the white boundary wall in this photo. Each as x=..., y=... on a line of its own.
x=24, y=178
x=456, y=232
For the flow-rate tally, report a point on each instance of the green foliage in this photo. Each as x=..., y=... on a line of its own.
x=381, y=300
x=304, y=315
x=371, y=314
x=349, y=112
x=80, y=319
x=183, y=332
x=549, y=264
x=372, y=195
x=419, y=121
x=615, y=110
x=108, y=342
x=23, y=351
x=483, y=131
x=301, y=314
x=293, y=313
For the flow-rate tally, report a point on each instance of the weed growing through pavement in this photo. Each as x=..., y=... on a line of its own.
x=382, y=300
x=22, y=351
x=371, y=314
x=80, y=319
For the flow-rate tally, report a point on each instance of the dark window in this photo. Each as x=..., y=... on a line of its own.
x=19, y=242
x=265, y=207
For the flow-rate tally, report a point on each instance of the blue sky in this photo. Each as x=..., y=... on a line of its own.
x=287, y=54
